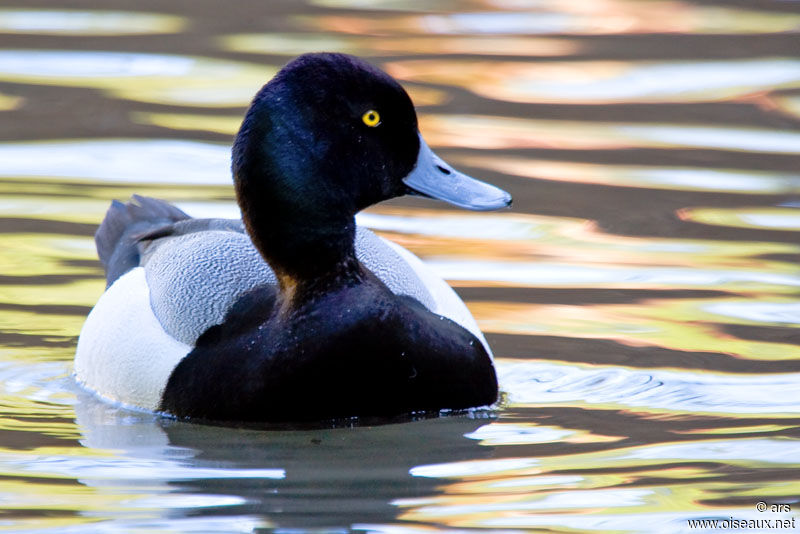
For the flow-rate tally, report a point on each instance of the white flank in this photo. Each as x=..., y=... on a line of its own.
x=123, y=352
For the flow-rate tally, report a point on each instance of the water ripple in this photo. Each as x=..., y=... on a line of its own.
x=545, y=383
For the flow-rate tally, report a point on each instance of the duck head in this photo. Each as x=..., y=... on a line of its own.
x=328, y=136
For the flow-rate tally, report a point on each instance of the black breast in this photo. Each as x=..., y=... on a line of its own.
x=358, y=351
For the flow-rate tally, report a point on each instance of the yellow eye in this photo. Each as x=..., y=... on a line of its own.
x=371, y=118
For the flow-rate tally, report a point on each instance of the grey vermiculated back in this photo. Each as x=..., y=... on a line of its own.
x=194, y=277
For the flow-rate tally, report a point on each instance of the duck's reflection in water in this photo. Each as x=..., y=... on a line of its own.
x=312, y=477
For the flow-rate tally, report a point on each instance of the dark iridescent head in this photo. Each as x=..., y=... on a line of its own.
x=328, y=136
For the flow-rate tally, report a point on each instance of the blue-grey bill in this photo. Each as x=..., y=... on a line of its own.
x=433, y=177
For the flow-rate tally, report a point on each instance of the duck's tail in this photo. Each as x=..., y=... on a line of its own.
x=119, y=234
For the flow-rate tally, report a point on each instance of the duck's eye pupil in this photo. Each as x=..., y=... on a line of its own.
x=371, y=118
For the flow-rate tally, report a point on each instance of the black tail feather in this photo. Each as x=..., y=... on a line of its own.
x=118, y=236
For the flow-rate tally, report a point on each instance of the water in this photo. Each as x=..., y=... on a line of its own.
x=641, y=297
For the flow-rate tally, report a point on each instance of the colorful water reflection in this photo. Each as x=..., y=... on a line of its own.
x=641, y=297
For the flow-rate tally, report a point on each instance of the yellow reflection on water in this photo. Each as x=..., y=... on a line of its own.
x=8, y=102
x=81, y=293
x=58, y=327
x=682, y=325
x=185, y=121
x=788, y=104
x=29, y=254
x=45, y=418
x=608, y=489
x=735, y=429
x=157, y=78
x=59, y=468
x=55, y=509
x=763, y=218
x=522, y=433
x=78, y=210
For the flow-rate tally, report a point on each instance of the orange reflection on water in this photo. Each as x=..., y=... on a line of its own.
x=493, y=132
x=499, y=80
x=596, y=82
x=353, y=42
x=674, y=178
x=581, y=17
x=485, y=132
x=522, y=238
x=192, y=122
x=634, y=16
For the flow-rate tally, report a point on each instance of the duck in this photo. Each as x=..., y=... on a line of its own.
x=293, y=313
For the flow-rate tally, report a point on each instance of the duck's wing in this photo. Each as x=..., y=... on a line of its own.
x=196, y=273
x=194, y=269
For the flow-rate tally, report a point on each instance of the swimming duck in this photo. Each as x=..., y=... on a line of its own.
x=293, y=313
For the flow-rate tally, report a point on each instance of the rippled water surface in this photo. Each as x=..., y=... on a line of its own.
x=641, y=296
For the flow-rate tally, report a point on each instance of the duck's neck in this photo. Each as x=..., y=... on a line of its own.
x=308, y=249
